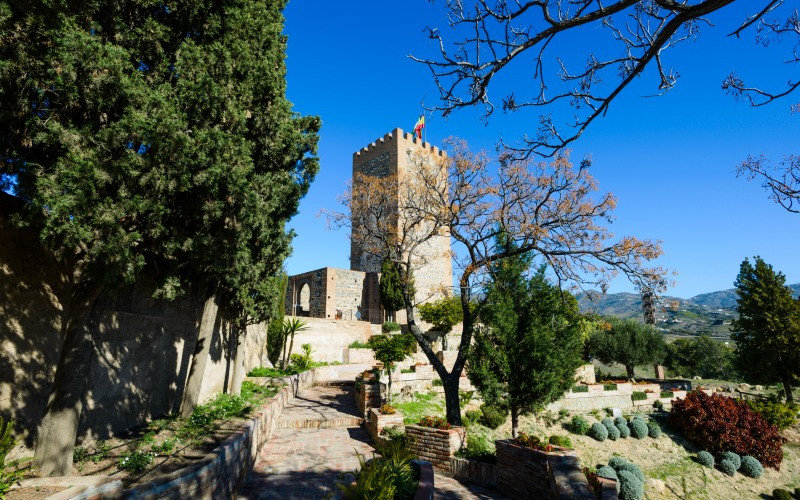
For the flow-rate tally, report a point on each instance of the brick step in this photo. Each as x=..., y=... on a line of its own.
x=321, y=423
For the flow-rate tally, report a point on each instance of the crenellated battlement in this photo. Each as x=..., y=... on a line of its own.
x=397, y=135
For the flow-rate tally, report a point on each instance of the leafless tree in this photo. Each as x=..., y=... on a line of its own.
x=783, y=182
x=491, y=36
x=551, y=209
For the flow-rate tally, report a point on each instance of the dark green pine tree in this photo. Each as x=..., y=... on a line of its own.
x=767, y=333
x=391, y=288
x=526, y=353
x=147, y=136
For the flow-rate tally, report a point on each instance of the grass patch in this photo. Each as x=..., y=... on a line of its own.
x=421, y=405
x=679, y=468
x=357, y=344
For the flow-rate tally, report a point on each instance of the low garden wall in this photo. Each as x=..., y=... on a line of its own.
x=437, y=446
x=369, y=394
x=523, y=472
x=587, y=397
x=474, y=471
x=378, y=421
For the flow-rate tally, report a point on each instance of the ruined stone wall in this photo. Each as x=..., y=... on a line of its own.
x=317, y=283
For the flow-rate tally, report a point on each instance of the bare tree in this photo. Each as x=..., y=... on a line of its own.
x=783, y=181
x=549, y=209
x=490, y=36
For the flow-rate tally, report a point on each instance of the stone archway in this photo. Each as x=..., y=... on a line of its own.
x=304, y=300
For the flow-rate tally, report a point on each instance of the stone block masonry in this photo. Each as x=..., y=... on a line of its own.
x=437, y=446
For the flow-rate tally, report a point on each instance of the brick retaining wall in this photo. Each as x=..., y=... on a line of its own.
x=473, y=471
x=436, y=445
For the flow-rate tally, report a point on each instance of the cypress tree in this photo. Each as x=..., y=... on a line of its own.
x=391, y=288
x=143, y=135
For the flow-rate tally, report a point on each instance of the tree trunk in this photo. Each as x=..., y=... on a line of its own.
x=59, y=427
x=787, y=389
x=238, y=341
x=629, y=369
x=194, y=381
x=451, y=400
x=389, y=392
x=514, y=421
x=288, y=353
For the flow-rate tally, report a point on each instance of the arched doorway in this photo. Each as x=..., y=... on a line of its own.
x=304, y=300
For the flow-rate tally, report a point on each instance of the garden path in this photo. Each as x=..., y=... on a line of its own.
x=315, y=445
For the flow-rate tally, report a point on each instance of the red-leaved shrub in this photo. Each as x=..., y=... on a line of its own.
x=718, y=424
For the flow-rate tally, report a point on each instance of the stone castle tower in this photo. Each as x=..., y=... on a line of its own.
x=395, y=154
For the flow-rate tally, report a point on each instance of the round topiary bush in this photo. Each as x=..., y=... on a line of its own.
x=633, y=469
x=751, y=467
x=617, y=462
x=599, y=431
x=624, y=430
x=620, y=421
x=579, y=425
x=630, y=488
x=705, y=458
x=727, y=467
x=613, y=433
x=733, y=457
x=638, y=428
x=653, y=429
x=607, y=472
x=781, y=494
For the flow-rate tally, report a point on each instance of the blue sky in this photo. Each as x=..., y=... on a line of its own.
x=669, y=160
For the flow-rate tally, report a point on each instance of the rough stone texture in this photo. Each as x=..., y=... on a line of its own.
x=330, y=339
x=368, y=395
x=473, y=471
x=609, y=489
x=361, y=356
x=660, y=372
x=585, y=374
x=437, y=446
x=334, y=293
x=526, y=473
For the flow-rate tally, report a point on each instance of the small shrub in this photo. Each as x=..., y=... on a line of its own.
x=653, y=429
x=533, y=442
x=580, y=388
x=387, y=409
x=464, y=397
x=718, y=424
x=437, y=382
x=613, y=432
x=781, y=415
x=607, y=472
x=630, y=488
x=620, y=421
x=599, y=431
x=658, y=405
x=135, y=461
x=638, y=428
x=80, y=454
x=165, y=447
x=390, y=326
x=617, y=462
x=706, y=458
x=638, y=396
x=303, y=361
x=781, y=494
x=727, y=467
x=624, y=430
x=478, y=448
x=733, y=457
x=562, y=441
x=393, y=432
x=751, y=467
x=357, y=344
x=435, y=422
x=472, y=417
x=633, y=469
x=667, y=394
x=493, y=417
x=609, y=387
x=579, y=425
x=407, y=370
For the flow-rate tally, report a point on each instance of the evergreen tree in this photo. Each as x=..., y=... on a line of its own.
x=391, y=288
x=767, y=333
x=526, y=353
x=143, y=135
x=627, y=342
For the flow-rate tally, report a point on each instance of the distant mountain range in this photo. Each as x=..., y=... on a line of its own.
x=705, y=313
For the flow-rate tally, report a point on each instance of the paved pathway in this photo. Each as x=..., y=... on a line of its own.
x=315, y=446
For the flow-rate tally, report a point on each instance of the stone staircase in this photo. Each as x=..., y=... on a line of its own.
x=322, y=406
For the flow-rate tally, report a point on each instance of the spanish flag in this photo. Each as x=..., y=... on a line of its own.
x=419, y=126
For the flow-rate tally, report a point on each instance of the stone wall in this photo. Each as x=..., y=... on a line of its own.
x=331, y=338
x=144, y=348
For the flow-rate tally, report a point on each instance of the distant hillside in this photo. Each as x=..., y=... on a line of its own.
x=705, y=313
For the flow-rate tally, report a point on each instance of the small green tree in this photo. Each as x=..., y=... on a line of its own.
x=291, y=326
x=767, y=333
x=443, y=314
x=391, y=288
x=526, y=353
x=391, y=349
x=627, y=342
x=701, y=356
